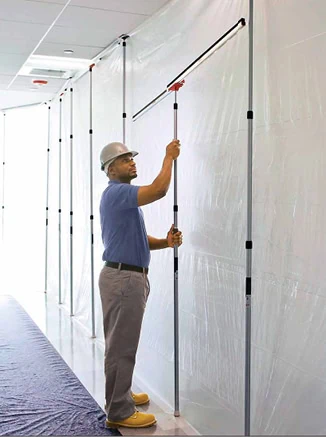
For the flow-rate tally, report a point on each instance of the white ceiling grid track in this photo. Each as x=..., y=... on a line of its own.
x=35, y=33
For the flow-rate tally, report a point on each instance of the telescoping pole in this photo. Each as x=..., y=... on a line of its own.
x=124, y=84
x=3, y=178
x=91, y=193
x=249, y=245
x=47, y=201
x=60, y=187
x=175, y=88
x=71, y=206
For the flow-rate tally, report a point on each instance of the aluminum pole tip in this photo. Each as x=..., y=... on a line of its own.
x=176, y=86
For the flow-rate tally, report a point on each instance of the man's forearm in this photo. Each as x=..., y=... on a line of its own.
x=162, y=181
x=157, y=243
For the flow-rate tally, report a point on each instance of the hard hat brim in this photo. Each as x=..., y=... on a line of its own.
x=110, y=161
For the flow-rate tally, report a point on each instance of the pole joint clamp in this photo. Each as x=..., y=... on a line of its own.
x=248, y=286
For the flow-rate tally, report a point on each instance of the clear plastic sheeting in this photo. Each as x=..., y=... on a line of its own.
x=288, y=290
x=23, y=245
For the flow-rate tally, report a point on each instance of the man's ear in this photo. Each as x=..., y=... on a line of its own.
x=111, y=170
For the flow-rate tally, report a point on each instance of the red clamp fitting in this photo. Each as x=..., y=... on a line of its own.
x=91, y=67
x=176, y=86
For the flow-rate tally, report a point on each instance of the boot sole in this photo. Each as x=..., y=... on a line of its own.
x=117, y=424
x=141, y=403
x=137, y=404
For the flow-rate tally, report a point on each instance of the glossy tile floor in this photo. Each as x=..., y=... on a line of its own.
x=84, y=355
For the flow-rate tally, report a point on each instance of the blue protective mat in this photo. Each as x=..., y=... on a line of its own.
x=39, y=394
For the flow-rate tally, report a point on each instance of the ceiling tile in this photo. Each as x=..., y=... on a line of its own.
x=29, y=11
x=17, y=46
x=28, y=80
x=5, y=80
x=145, y=7
x=23, y=31
x=10, y=64
x=61, y=2
x=92, y=19
x=75, y=36
x=57, y=49
x=50, y=90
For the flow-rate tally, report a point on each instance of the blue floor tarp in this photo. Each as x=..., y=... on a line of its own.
x=39, y=394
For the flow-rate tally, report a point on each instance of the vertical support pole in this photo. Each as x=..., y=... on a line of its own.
x=175, y=87
x=47, y=202
x=71, y=206
x=124, y=115
x=176, y=271
x=249, y=245
x=3, y=177
x=60, y=188
x=91, y=194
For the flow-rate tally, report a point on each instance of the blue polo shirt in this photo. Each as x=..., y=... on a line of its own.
x=123, y=228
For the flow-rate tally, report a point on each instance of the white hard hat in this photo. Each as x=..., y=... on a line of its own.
x=112, y=151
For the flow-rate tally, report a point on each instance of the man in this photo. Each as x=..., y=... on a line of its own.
x=123, y=282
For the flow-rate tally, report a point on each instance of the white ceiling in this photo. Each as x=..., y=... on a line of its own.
x=48, y=27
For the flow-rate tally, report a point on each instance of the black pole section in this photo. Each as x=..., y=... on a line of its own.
x=242, y=22
x=47, y=202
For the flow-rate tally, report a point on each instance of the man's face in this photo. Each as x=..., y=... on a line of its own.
x=123, y=168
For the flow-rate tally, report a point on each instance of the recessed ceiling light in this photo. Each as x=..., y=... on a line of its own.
x=68, y=52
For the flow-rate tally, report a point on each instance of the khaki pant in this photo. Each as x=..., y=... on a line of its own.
x=124, y=295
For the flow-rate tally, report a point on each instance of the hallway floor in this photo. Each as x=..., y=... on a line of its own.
x=84, y=356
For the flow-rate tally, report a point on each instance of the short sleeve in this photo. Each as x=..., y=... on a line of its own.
x=122, y=196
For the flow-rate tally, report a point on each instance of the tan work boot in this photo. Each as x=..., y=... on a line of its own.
x=136, y=420
x=140, y=398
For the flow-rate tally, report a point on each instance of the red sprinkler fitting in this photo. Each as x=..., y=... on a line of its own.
x=40, y=82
